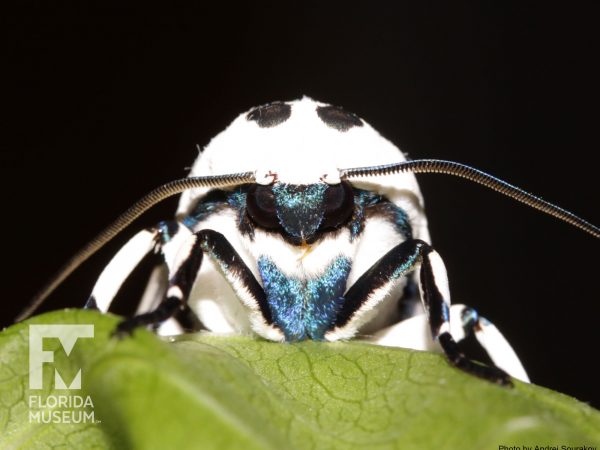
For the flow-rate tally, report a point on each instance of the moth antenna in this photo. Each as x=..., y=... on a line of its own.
x=477, y=176
x=136, y=210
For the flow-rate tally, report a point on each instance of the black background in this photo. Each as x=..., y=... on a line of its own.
x=101, y=106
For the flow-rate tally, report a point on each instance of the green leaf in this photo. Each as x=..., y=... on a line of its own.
x=205, y=391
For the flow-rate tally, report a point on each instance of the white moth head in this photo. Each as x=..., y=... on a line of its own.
x=305, y=142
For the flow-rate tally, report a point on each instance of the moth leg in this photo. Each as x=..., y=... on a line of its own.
x=493, y=342
x=164, y=311
x=464, y=321
x=120, y=267
x=189, y=260
x=184, y=321
x=374, y=284
x=165, y=238
x=433, y=282
x=173, y=237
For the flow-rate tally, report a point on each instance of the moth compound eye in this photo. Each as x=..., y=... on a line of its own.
x=339, y=205
x=260, y=205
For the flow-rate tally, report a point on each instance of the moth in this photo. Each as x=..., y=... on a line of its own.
x=300, y=221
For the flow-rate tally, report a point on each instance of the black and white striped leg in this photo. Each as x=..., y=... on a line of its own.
x=190, y=256
x=372, y=286
x=179, y=289
x=184, y=320
x=493, y=342
x=464, y=321
x=165, y=310
x=165, y=238
x=120, y=267
x=433, y=281
x=243, y=282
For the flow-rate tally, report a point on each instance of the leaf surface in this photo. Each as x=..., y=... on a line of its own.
x=205, y=391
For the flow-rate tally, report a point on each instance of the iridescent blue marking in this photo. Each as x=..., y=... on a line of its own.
x=362, y=199
x=401, y=221
x=304, y=309
x=167, y=230
x=165, y=234
x=365, y=199
x=446, y=313
x=213, y=202
x=300, y=208
x=409, y=264
x=216, y=257
x=469, y=317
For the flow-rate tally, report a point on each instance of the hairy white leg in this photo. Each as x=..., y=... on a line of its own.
x=155, y=289
x=499, y=350
x=153, y=295
x=167, y=237
x=120, y=267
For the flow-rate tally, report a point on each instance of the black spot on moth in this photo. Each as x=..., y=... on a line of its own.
x=338, y=118
x=270, y=115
